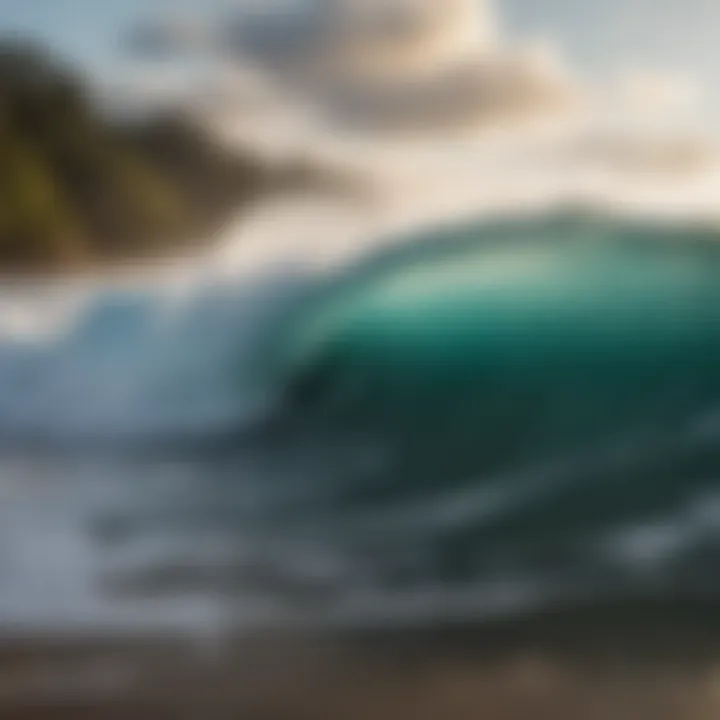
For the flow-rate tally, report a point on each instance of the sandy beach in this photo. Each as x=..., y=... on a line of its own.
x=652, y=664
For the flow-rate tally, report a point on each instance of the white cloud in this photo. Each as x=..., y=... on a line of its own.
x=449, y=116
x=660, y=91
x=171, y=34
x=382, y=64
x=402, y=64
x=671, y=154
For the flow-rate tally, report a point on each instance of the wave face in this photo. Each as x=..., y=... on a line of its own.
x=481, y=419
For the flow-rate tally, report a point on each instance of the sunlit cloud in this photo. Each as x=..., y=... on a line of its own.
x=392, y=65
x=444, y=111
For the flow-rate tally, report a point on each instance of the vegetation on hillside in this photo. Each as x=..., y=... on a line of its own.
x=77, y=188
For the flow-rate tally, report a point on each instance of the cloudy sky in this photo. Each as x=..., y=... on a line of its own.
x=622, y=81
x=612, y=33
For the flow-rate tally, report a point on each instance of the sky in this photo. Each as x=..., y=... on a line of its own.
x=557, y=128
x=88, y=31
x=598, y=35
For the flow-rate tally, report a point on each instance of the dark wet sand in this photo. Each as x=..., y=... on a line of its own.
x=624, y=664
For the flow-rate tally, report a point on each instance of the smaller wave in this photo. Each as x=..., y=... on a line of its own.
x=138, y=363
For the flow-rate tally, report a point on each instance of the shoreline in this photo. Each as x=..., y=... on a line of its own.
x=638, y=663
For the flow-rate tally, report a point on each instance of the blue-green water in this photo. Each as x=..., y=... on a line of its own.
x=480, y=419
x=566, y=369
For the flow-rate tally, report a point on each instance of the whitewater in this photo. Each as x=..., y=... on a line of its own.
x=415, y=407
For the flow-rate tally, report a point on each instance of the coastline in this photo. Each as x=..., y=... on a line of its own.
x=659, y=663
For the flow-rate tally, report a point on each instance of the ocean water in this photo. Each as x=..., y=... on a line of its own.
x=480, y=419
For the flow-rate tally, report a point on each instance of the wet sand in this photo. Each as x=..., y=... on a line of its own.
x=636, y=664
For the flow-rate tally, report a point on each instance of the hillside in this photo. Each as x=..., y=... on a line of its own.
x=78, y=188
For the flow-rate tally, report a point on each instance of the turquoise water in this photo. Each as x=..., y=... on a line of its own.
x=540, y=339
x=482, y=418
x=565, y=369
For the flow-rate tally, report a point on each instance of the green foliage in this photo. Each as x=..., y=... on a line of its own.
x=75, y=188
x=36, y=224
